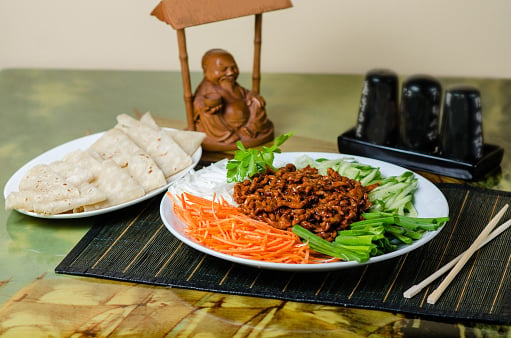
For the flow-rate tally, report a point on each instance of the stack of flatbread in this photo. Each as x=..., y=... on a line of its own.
x=125, y=163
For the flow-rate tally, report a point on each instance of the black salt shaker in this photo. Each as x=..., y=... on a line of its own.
x=378, y=117
x=461, y=133
x=419, y=113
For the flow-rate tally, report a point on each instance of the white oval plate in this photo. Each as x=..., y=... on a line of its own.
x=83, y=143
x=429, y=202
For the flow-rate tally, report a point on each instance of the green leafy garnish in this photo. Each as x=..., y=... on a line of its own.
x=248, y=162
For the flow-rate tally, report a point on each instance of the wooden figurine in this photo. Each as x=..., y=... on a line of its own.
x=224, y=110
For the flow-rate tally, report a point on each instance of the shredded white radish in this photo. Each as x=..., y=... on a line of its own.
x=206, y=183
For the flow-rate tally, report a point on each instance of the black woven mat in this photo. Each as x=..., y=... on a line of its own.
x=134, y=245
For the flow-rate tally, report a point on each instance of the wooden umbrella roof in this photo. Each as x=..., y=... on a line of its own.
x=186, y=13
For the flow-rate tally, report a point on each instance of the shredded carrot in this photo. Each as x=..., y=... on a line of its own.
x=220, y=226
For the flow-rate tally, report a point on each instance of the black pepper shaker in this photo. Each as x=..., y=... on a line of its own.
x=461, y=132
x=378, y=117
x=419, y=113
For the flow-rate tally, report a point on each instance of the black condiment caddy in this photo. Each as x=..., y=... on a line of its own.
x=415, y=133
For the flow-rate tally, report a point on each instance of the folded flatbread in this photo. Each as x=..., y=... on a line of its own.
x=167, y=154
x=54, y=189
x=124, y=164
x=117, y=146
x=118, y=186
x=41, y=178
x=188, y=140
x=73, y=173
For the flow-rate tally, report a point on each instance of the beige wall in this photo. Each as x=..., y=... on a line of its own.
x=437, y=37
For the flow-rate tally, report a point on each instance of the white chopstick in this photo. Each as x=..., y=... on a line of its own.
x=435, y=295
x=418, y=287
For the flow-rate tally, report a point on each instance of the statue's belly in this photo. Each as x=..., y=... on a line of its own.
x=236, y=113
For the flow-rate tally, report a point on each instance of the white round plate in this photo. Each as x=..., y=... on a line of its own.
x=429, y=202
x=83, y=143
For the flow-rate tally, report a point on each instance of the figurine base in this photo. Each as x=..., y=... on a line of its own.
x=433, y=163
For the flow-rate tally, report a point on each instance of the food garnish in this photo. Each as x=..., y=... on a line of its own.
x=377, y=234
x=221, y=227
x=248, y=162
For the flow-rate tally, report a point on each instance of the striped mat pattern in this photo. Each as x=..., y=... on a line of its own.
x=133, y=245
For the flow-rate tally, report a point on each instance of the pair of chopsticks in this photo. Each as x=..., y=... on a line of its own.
x=486, y=236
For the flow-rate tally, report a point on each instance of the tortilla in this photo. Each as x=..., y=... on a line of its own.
x=41, y=178
x=167, y=154
x=128, y=161
x=114, y=181
x=117, y=146
x=74, y=174
x=87, y=159
x=148, y=120
x=188, y=140
x=49, y=189
x=42, y=203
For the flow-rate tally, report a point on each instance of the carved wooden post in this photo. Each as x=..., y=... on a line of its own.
x=256, y=74
x=185, y=74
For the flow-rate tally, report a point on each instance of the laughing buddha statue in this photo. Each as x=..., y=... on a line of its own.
x=226, y=111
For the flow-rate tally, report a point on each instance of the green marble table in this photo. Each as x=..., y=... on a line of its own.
x=41, y=109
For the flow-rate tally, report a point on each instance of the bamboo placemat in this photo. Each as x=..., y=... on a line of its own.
x=134, y=245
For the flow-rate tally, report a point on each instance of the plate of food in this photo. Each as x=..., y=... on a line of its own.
x=103, y=172
x=419, y=199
